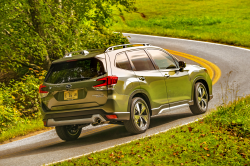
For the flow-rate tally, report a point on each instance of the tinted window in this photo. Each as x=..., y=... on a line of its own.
x=162, y=59
x=75, y=71
x=122, y=62
x=140, y=60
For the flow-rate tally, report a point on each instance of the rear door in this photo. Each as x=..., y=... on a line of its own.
x=70, y=84
x=150, y=79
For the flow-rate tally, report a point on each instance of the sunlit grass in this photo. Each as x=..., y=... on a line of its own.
x=22, y=127
x=222, y=21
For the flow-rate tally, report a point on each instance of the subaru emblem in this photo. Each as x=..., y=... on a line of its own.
x=68, y=86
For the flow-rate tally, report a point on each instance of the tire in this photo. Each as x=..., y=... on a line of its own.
x=68, y=133
x=139, y=116
x=200, y=99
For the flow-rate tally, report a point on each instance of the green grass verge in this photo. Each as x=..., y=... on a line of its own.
x=221, y=138
x=222, y=21
x=22, y=127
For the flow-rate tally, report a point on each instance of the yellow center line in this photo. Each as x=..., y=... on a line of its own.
x=213, y=70
x=44, y=145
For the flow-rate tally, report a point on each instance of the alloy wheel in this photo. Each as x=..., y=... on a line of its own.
x=141, y=115
x=202, y=97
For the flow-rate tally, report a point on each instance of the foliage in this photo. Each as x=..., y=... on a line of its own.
x=20, y=99
x=211, y=141
x=35, y=32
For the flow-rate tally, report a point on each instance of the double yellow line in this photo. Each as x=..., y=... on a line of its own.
x=213, y=70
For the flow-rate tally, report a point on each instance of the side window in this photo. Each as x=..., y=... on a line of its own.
x=122, y=61
x=162, y=59
x=140, y=60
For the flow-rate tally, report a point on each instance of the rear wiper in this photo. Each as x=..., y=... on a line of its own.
x=78, y=79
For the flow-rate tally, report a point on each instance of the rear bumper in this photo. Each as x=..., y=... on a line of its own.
x=81, y=117
x=52, y=122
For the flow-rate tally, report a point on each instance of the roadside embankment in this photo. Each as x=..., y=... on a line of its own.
x=221, y=138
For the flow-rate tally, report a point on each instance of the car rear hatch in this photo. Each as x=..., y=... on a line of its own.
x=70, y=84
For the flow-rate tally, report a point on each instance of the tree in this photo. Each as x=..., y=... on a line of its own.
x=35, y=32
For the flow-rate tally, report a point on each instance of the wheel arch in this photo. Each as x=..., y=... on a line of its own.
x=142, y=94
x=204, y=82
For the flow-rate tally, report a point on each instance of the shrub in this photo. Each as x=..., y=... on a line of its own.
x=19, y=100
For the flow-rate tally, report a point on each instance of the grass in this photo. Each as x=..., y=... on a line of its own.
x=222, y=21
x=23, y=127
x=221, y=138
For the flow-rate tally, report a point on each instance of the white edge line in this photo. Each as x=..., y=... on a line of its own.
x=189, y=40
x=76, y=157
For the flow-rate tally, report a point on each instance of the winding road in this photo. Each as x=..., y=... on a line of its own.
x=232, y=71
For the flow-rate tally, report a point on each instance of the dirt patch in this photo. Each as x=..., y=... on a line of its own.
x=143, y=15
x=28, y=135
x=8, y=75
x=122, y=17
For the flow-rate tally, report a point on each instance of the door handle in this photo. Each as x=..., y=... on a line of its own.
x=167, y=75
x=142, y=78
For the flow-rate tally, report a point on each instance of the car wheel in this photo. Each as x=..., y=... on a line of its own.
x=139, y=116
x=200, y=99
x=68, y=133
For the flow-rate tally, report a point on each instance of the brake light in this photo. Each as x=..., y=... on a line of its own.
x=40, y=89
x=42, y=92
x=45, y=123
x=108, y=84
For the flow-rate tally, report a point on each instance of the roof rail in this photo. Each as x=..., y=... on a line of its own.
x=111, y=48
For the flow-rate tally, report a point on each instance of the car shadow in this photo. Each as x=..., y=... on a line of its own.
x=110, y=136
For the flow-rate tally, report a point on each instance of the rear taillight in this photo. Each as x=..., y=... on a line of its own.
x=42, y=93
x=45, y=123
x=108, y=84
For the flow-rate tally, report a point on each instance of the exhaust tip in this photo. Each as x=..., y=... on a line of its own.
x=98, y=120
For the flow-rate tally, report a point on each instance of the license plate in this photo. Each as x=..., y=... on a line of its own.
x=71, y=95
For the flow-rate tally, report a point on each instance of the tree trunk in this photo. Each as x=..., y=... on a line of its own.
x=38, y=26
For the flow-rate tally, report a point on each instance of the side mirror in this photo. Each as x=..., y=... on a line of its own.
x=182, y=65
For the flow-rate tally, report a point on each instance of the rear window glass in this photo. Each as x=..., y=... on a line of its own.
x=75, y=71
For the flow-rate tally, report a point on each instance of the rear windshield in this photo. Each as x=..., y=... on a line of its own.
x=75, y=71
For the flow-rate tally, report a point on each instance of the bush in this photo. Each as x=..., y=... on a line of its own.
x=19, y=100
x=8, y=116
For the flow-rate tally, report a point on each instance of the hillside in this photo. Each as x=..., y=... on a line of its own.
x=223, y=21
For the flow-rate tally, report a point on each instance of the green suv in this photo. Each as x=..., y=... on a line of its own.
x=125, y=84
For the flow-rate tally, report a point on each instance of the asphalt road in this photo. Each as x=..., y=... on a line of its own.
x=47, y=147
